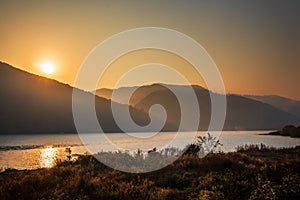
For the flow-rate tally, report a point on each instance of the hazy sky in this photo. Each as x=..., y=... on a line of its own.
x=255, y=44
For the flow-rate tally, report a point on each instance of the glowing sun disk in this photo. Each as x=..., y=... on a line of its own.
x=48, y=68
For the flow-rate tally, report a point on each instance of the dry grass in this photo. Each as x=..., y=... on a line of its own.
x=250, y=173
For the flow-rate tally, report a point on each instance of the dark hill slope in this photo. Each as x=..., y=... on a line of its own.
x=242, y=113
x=282, y=103
x=34, y=104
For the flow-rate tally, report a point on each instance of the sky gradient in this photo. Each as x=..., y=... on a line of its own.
x=255, y=43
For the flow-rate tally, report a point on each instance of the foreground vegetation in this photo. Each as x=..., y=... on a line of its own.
x=253, y=172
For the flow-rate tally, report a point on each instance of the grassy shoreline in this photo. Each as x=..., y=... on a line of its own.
x=253, y=172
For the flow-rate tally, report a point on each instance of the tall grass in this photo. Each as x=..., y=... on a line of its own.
x=251, y=173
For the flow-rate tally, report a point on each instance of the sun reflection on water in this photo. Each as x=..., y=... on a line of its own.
x=48, y=157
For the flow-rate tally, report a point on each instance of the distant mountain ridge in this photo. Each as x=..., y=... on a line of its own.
x=282, y=103
x=242, y=113
x=34, y=104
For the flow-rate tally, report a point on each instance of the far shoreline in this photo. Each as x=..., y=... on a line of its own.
x=290, y=131
x=114, y=132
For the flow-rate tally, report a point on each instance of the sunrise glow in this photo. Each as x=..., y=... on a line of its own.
x=48, y=68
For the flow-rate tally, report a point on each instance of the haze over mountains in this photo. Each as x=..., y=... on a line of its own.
x=34, y=104
x=242, y=113
x=285, y=104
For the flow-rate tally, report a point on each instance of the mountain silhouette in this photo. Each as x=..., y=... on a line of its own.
x=285, y=104
x=242, y=113
x=34, y=104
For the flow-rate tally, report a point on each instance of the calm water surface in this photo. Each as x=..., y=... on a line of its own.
x=35, y=151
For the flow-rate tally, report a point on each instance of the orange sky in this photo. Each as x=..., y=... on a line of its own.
x=255, y=44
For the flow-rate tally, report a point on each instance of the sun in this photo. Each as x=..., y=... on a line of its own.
x=48, y=68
